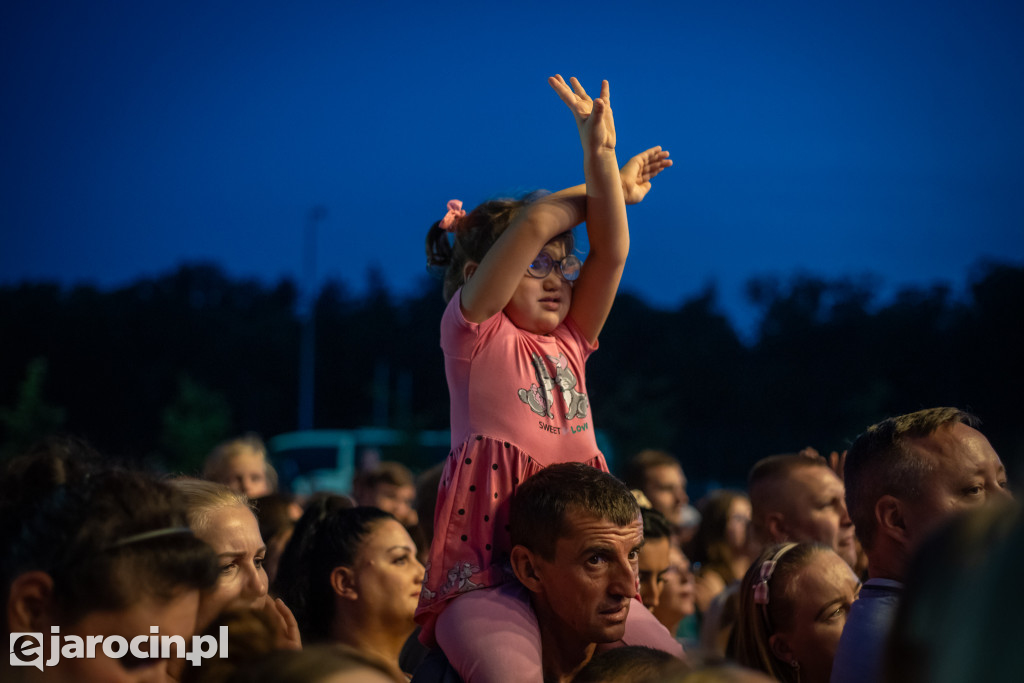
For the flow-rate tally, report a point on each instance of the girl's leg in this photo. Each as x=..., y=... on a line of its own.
x=490, y=635
x=642, y=628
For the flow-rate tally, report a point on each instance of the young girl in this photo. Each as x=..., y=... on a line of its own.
x=523, y=316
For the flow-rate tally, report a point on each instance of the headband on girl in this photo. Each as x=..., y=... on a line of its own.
x=455, y=210
x=767, y=569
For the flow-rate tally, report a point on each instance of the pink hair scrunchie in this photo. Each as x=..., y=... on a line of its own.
x=455, y=210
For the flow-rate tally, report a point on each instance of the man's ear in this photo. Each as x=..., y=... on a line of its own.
x=524, y=565
x=343, y=583
x=30, y=602
x=779, y=644
x=468, y=270
x=775, y=523
x=890, y=516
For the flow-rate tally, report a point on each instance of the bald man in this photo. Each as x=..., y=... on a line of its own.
x=798, y=498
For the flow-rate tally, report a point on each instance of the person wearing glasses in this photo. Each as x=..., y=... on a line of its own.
x=524, y=314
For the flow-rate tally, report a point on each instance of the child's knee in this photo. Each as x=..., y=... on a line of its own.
x=489, y=632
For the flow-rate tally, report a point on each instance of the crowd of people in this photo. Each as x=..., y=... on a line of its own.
x=810, y=575
x=522, y=557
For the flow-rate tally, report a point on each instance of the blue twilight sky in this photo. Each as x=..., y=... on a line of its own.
x=829, y=138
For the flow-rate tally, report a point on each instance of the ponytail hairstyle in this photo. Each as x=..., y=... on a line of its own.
x=106, y=537
x=474, y=234
x=327, y=536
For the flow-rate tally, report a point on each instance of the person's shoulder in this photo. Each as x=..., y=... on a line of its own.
x=435, y=668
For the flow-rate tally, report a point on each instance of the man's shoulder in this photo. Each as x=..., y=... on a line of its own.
x=859, y=654
x=435, y=668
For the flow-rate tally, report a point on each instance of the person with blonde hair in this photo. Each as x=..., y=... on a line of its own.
x=225, y=521
x=241, y=464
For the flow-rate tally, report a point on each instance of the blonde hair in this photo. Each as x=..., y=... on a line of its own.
x=216, y=466
x=204, y=498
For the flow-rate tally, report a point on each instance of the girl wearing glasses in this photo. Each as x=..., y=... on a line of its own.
x=523, y=315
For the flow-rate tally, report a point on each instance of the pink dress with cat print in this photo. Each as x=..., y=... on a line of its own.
x=518, y=404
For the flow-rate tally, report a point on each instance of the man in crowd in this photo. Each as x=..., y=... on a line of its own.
x=904, y=476
x=659, y=476
x=795, y=497
x=576, y=536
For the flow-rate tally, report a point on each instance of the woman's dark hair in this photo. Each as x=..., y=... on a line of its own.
x=710, y=546
x=107, y=537
x=475, y=233
x=327, y=539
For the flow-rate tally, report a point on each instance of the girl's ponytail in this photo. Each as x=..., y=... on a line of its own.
x=439, y=249
x=473, y=234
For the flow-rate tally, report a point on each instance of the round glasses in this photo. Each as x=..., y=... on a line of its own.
x=568, y=268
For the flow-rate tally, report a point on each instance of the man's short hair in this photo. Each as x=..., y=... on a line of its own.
x=763, y=483
x=882, y=462
x=655, y=525
x=635, y=473
x=541, y=503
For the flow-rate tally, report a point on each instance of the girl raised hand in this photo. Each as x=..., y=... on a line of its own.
x=593, y=117
x=522, y=319
x=637, y=173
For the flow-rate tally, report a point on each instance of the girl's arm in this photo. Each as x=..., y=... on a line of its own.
x=607, y=227
x=491, y=283
x=608, y=191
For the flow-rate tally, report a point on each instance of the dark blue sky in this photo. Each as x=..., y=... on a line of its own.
x=885, y=137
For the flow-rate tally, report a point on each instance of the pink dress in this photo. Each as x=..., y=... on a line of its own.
x=518, y=404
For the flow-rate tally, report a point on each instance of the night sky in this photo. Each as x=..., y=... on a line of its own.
x=884, y=137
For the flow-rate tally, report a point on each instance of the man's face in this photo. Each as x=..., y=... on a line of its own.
x=653, y=565
x=665, y=487
x=965, y=472
x=816, y=511
x=398, y=500
x=589, y=584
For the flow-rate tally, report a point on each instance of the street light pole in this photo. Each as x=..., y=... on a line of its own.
x=307, y=348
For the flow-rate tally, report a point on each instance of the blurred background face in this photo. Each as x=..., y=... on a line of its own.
x=738, y=523
x=677, y=595
x=234, y=535
x=666, y=489
x=398, y=500
x=247, y=473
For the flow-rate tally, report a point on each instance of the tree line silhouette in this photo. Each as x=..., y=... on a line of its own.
x=162, y=369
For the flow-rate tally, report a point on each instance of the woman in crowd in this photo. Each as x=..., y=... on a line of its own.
x=677, y=597
x=363, y=581
x=720, y=550
x=93, y=551
x=793, y=605
x=224, y=520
